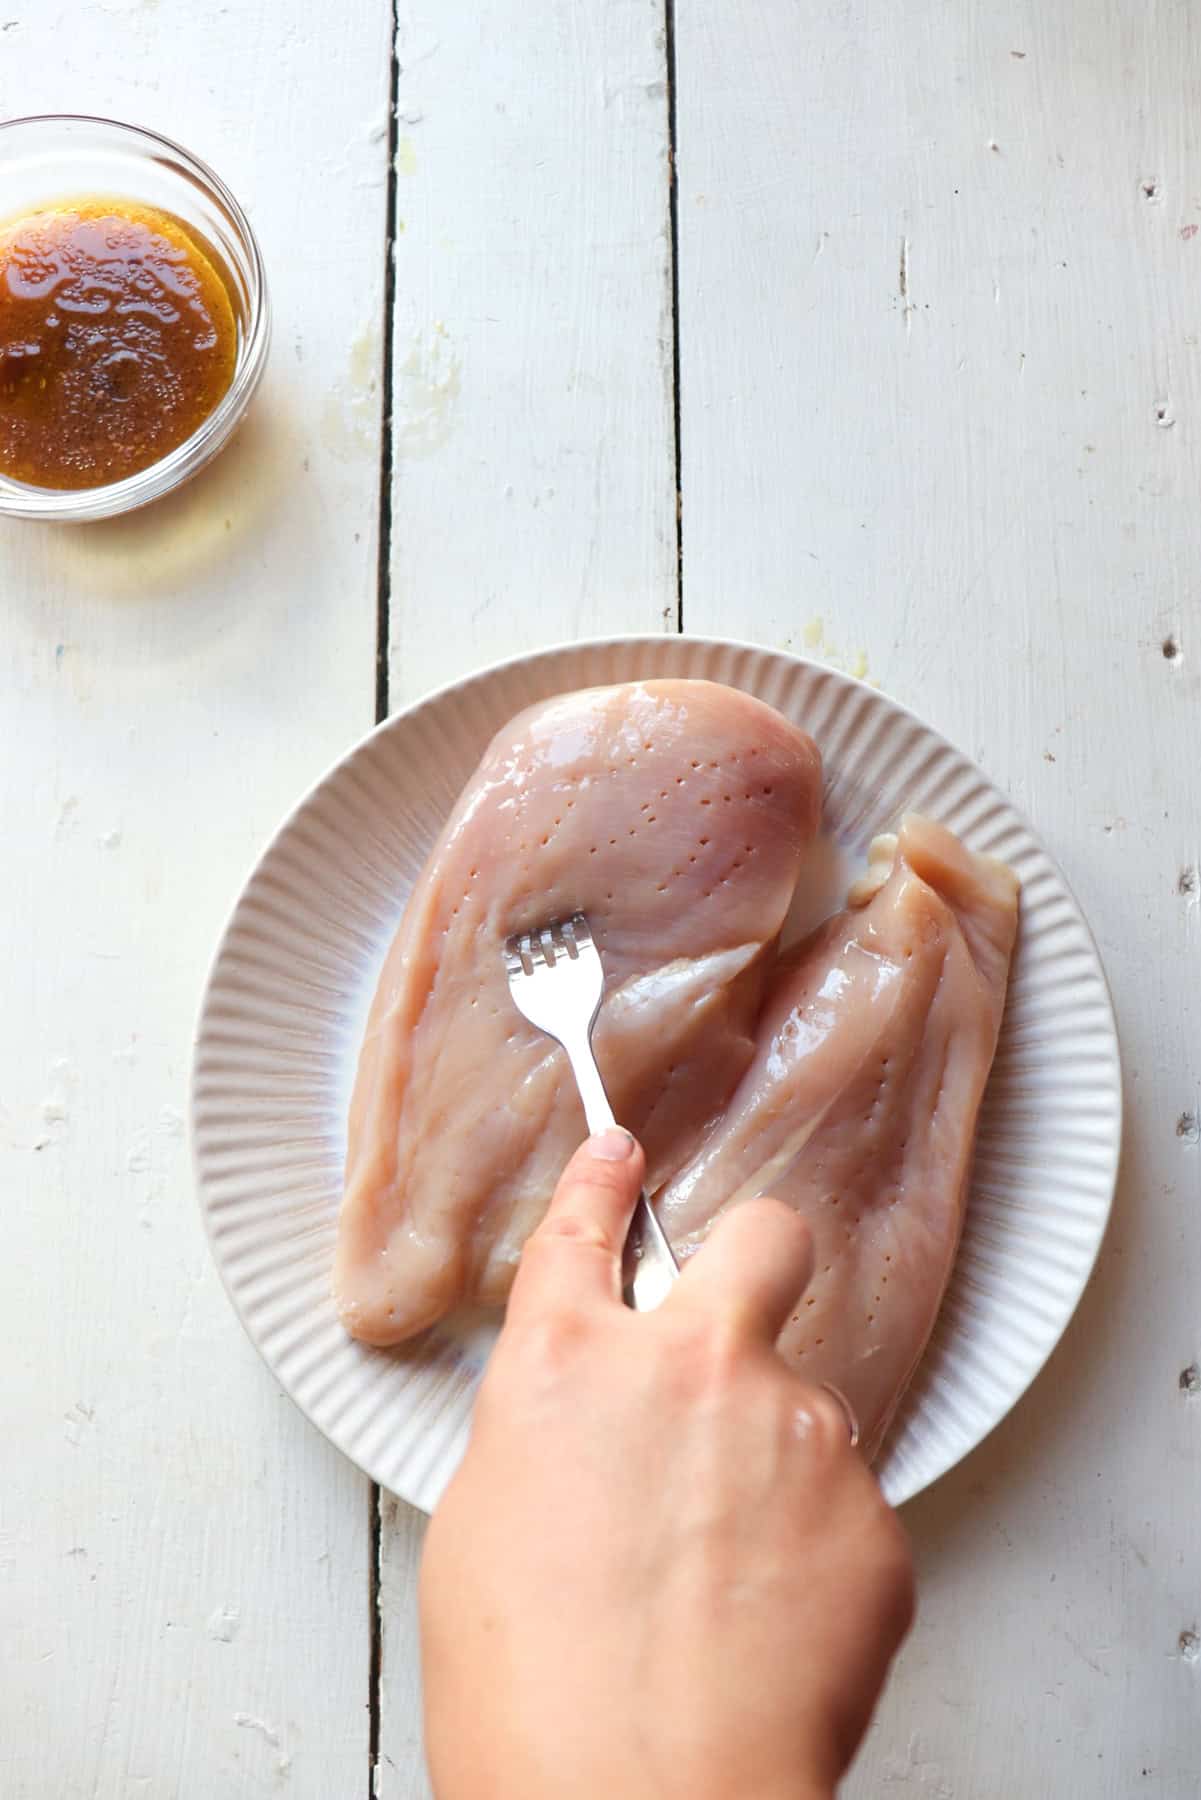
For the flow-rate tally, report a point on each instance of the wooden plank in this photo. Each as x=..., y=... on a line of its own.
x=185, y=1562
x=940, y=384
x=534, y=480
x=533, y=498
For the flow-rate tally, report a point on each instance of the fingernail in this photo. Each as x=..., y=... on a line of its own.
x=614, y=1145
x=848, y=1410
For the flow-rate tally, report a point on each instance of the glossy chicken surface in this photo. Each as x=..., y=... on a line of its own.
x=676, y=815
x=859, y=1107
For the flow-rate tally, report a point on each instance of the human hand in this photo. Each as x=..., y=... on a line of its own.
x=661, y=1569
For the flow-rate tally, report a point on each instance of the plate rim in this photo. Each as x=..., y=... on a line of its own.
x=633, y=642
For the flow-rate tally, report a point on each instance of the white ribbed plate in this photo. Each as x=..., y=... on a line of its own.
x=287, y=998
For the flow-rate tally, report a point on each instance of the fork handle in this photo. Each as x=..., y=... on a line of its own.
x=649, y=1264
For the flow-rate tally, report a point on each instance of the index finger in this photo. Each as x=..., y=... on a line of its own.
x=576, y=1251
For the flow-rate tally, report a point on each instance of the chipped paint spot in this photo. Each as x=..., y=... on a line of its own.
x=55, y=1107
x=426, y=392
x=903, y=284
x=350, y=423
x=913, y=1767
x=79, y=1421
x=406, y=156
x=248, y=1722
x=68, y=818
x=222, y=1625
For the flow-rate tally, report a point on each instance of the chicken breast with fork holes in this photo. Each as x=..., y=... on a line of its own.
x=674, y=814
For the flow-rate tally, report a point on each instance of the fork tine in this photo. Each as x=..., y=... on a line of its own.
x=528, y=951
x=565, y=1009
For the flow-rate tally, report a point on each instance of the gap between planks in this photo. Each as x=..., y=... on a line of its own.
x=383, y=609
x=383, y=601
x=673, y=193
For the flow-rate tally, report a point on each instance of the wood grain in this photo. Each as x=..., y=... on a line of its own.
x=532, y=443
x=940, y=386
x=185, y=1562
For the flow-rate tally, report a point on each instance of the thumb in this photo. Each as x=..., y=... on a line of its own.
x=751, y=1270
x=575, y=1254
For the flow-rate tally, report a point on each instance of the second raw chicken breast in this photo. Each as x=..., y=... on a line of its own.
x=860, y=1106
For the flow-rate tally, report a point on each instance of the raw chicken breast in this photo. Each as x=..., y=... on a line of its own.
x=859, y=1108
x=675, y=815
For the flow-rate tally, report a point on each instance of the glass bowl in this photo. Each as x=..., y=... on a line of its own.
x=57, y=157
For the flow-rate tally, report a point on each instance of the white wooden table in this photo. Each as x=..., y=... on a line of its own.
x=925, y=372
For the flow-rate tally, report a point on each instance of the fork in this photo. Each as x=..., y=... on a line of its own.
x=556, y=980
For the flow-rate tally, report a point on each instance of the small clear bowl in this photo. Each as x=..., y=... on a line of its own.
x=57, y=157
